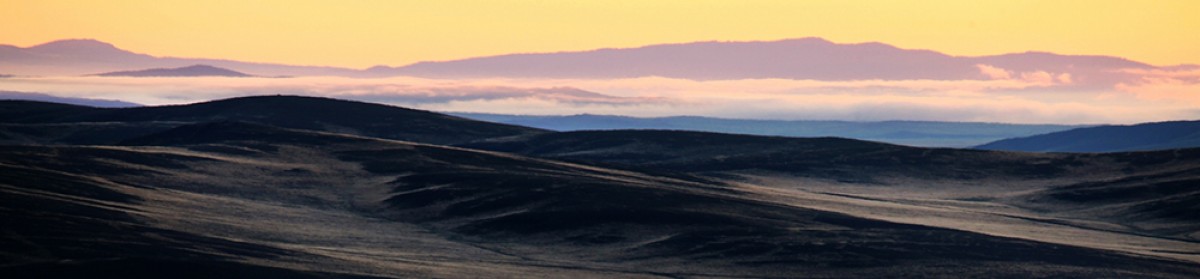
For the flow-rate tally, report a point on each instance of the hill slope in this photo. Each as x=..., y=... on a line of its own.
x=1147, y=136
x=312, y=113
x=314, y=204
x=838, y=158
x=1141, y=193
x=915, y=133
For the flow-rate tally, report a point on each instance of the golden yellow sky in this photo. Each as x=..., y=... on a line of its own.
x=362, y=33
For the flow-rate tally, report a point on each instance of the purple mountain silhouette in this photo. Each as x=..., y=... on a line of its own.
x=82, y=50
x=64, y=56
x=29, y=96
x=85, y=57
x=808, y=58
x=189, y=71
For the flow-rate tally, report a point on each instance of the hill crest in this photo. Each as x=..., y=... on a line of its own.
x=1109, y=138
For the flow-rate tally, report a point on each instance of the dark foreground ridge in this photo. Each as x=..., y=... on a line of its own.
x=310, y=113
x=836, y=158
x=247, y=197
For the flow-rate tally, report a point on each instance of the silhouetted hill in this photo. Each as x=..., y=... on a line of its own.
x=915, y=133
x=311, y=113
x=1147, y=136
x=189, y=71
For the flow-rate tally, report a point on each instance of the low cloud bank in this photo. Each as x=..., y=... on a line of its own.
x=1009, y=96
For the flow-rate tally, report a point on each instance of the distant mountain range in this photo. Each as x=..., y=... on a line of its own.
x=1109, y=138
x=915, y=133
x=11, y=95
x=808, y=58
x=189, y=71
x=86, y=57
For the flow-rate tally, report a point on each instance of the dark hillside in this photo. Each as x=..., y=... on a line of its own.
x=839, y=158
x=310, y=113
x=1140, y=137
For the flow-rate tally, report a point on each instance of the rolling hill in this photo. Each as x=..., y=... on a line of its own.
x=837, y=158
x=263, y=201
x=311, y=113
x=1146, y=136
x=1150, y=192
x=297, y=187
x=915, y=133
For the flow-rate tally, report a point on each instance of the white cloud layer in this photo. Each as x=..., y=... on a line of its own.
x=1016, y=97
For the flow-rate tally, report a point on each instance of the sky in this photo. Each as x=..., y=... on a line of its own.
x=364, y=33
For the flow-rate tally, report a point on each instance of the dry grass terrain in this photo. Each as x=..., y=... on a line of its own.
x=239, y=199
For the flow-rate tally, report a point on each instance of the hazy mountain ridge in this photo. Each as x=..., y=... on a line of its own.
x=917, y=133
x=87, y=56
x=189, y=71
x=807, y=58
x=1108, y=138
x=12, y=95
